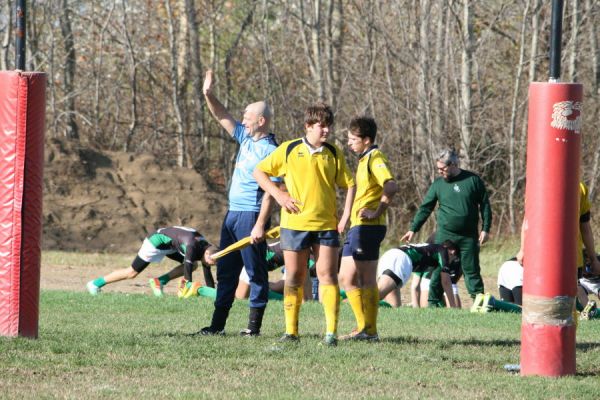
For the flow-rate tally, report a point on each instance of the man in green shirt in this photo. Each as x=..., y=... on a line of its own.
x=462, y=197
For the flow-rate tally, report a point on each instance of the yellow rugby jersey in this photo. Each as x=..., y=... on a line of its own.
x=310, y=178
x=584, y=208
x=372, y=172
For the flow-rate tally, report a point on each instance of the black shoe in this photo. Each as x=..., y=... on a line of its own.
x=210, y=331
x=289, y=338
x=249, y=333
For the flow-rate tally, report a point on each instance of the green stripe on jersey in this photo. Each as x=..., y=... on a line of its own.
x=158, y=240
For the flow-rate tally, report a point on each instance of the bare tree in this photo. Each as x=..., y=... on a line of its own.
x=512, y=136
x=6, y=31
x=195, y=61
x=593, y=9
x=69, y=70
x=573, y=41
x=466, y=77
x=175, y=76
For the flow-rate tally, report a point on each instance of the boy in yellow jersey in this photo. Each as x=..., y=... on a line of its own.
x=375, y=187
x=311, y=169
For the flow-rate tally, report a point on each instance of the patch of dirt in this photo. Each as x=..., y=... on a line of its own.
x=96, y=201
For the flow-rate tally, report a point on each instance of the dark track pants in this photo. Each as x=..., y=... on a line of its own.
x=469, y=259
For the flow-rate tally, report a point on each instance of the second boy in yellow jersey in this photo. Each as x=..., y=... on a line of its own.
x=375, y=188
x=312, y=169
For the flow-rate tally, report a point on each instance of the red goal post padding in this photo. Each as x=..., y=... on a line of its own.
x=22, y=118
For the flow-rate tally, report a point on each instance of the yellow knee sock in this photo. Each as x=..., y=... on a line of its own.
x=331, y=305
x=355, y=298
x=371, y=307
x=292, y=299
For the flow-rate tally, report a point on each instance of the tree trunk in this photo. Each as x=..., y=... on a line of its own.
x=72, y=130
x=573, y=41
x=465, y=84
x=334, y=45
x=595, y=92
x=7, y=9
x=98, y=65
x=512, y=145
x=196, y=73
x=180, y=148
x=131, y=58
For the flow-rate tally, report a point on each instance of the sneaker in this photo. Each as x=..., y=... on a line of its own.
x=182, y=288
x=93, y=289
x=589, y=311
x=477, y=302
x=364, y=336
x=210, y=331
x=330, y=340
x=360, y=336
x=485, y=303
x=156, y=286
x=288, y=338
x=192, y=290
x=349, y=336
x=249, y=333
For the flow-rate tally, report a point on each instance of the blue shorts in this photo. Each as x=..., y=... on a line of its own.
x=362, y=242
x=293, y=240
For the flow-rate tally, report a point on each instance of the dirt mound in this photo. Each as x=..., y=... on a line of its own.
x=109, y=201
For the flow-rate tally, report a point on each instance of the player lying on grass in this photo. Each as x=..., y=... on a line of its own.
x=182, y=244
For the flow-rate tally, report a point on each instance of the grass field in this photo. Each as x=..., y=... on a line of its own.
x=121, y=345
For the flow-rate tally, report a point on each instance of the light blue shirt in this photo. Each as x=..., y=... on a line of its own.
x=244, y=192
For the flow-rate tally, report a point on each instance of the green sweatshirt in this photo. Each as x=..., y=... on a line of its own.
x=460, y=199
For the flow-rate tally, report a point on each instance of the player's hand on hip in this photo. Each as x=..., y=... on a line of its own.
x=288, y=203
x=366, y=213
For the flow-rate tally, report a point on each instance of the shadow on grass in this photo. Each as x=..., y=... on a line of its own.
x=403, y=340
x=588, y=346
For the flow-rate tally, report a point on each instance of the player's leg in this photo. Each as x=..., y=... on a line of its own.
x=389, y=289
x=326, y=251
x=243, y=289
x=293, y=290
x=157, y=284
x=258, y=273
x=147, y=254
x=228, y=273
x=436, y=291
x=424, y=289
x=517, y=293
x=447, y=286
x=415, y=290
x=506, y=294
x=296, y=251
x=469, y=257
x=348, y=278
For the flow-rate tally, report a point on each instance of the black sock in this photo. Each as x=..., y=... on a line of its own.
x=255, y=319
x=219, y=318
